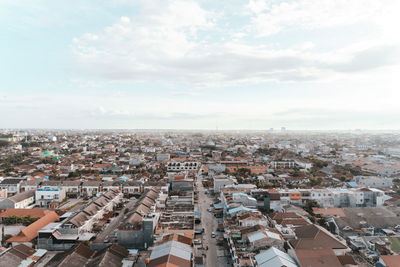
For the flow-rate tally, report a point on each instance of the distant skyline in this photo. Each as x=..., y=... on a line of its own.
x=158, y=64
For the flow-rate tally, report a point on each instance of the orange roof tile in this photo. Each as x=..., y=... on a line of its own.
x=30, y=232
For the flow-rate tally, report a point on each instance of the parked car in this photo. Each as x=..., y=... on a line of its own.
x=197, y=241
x=213, y=235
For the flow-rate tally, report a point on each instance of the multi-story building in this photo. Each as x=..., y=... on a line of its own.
x=283, y=164
x=49, y=196
x=182, y=166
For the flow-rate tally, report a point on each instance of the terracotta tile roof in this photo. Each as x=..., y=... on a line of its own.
x=324, y=212
x=317, y=258
x=175, y=237
x=169, y=261
x=391, y=260
x=30, y=232
x=35, y=213
x=286, y=218
x=346, y=260
x=315, y=237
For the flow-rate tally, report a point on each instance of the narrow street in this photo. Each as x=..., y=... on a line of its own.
x=108, y=232
x=209, y=224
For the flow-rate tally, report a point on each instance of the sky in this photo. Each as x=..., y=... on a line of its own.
x=205, y=64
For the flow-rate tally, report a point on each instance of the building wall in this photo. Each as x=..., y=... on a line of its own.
x=25, y=203
x=6, y=204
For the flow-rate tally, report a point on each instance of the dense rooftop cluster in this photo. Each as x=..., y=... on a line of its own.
x=160, y=198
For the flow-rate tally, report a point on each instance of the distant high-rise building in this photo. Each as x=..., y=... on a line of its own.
x=283, y=129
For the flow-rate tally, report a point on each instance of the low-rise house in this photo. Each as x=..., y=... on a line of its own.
x=84, y=220
x=82, y=255
x=366, y=220
x=137, y=231
x=20, y=255
x=162, y=157
x=274, y=257
x=72, y=188
x=304, y=164
x=321, y=257
x=110, y=185
x=374, y=181
x=389, y=260
x=19, y=201
x=221, y=181
x=31, y=231
x=173, y=250
x=288, y=218
x=29, y=185
x=265, y=238
x=185, y=184
x=131, y=188
x=313, y=236
x=12, y=185
x=90, y=188
x=251, y=219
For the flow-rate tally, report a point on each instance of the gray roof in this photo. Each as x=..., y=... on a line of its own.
x=31, y=182
x=378, y=217
x=8, y=181
x=175, y=248
x=71, y=183
x=273, y=257
x=22, y=196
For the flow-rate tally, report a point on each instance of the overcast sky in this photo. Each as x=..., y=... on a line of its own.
x=258, y=64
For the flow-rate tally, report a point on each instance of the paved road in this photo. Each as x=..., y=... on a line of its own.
x=109, y=230
x=209, y=224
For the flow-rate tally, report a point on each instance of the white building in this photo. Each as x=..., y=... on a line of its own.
x=303, y=164
x=22, y=200
x=221, y=181
x=245, y=199
x=136, y=160
x=47, y=196
x=162, y=157
x=182, y=166
x=374, y=181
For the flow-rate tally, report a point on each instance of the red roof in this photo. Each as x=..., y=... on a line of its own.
x=31, y=232
x=34, y=213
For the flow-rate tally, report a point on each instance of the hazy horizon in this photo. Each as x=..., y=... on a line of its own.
x=318, y=65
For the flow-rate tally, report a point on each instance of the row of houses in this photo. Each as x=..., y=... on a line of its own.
x=77, y=188
x=328, y=197
x=78, y=226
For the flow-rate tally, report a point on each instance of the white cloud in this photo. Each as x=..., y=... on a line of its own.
x=272, y=17
x=164, y=43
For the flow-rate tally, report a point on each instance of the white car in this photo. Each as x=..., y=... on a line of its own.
x=213, y=235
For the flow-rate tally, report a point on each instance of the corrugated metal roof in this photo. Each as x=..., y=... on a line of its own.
x=256, y=236
x=272, y=235
x=175, y=248
x=274, y=257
